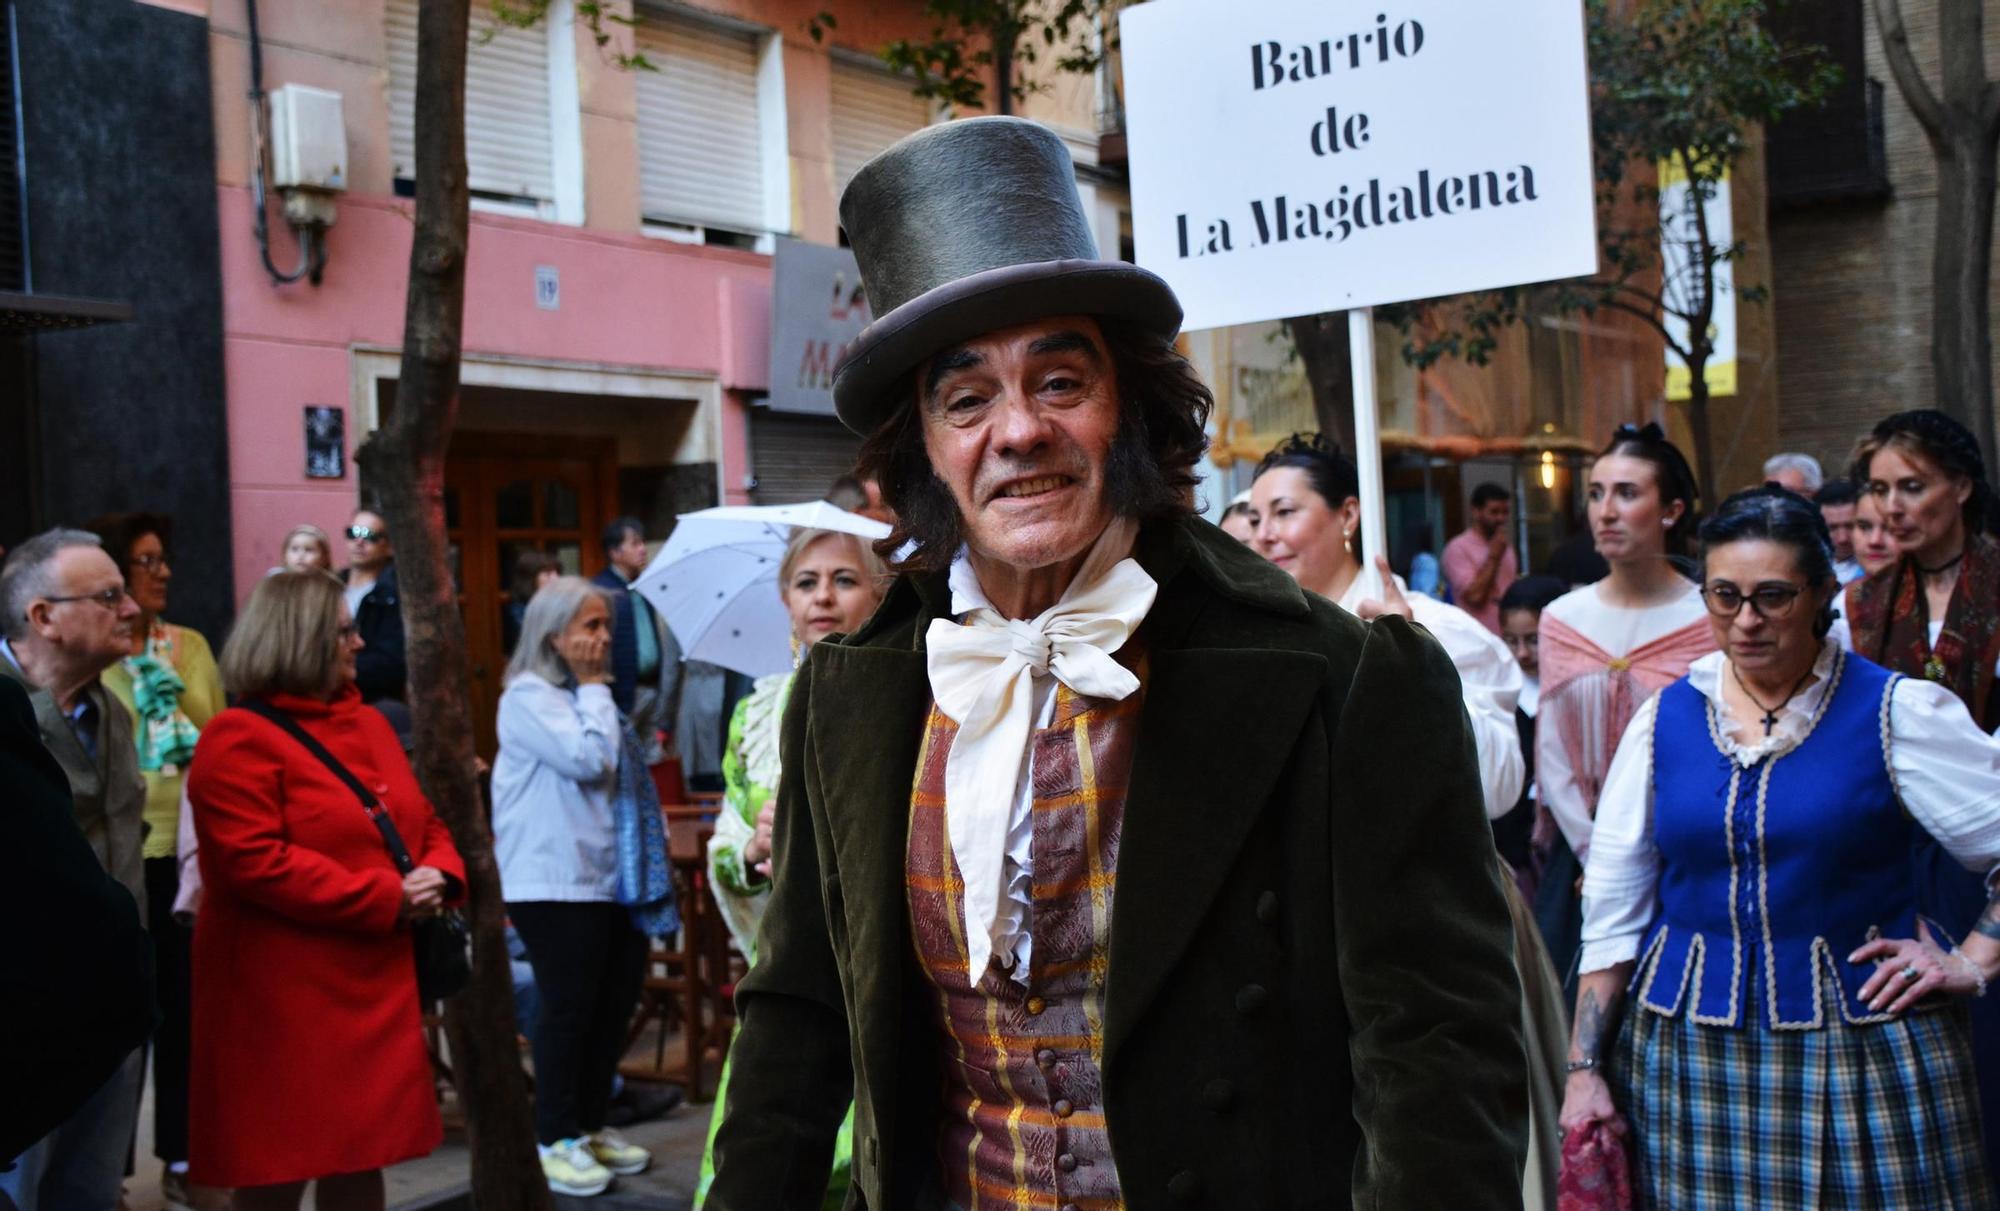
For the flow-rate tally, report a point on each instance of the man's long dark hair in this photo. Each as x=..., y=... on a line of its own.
x=1162, y=432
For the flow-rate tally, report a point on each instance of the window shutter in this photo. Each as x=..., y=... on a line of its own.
x=700, y=154
x=871, y=109
x=797, y=458
x=1835, y=151
x=507, y=141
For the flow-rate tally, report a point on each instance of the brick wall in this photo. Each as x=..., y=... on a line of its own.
x=1852, y=281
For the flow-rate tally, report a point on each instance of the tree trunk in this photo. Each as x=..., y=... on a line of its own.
x=1704, y=441
x=1962, y=123
x=403, y=465
x=1961, y=338
x=1323, y=347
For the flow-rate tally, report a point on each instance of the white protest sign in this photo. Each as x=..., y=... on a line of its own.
x=1290, y=157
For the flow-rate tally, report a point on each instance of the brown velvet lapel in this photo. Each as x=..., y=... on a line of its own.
x=1215, y=734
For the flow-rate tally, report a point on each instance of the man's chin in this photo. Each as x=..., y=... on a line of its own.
x=1034, y=544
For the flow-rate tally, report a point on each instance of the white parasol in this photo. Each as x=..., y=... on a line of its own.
x=716, y=580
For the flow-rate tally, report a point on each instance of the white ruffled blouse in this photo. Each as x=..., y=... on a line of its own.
x=1946, y=770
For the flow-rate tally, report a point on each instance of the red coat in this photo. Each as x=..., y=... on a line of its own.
x=308, y=1055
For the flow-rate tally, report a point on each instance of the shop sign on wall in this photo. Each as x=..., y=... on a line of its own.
x=817, y=311
x=1303, y=156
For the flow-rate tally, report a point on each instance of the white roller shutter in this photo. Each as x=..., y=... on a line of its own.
x=797, y=458
x=871, y=109
x=700, y=154
x=507, y=143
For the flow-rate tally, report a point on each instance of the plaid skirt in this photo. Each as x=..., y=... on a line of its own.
x=1879, y=1116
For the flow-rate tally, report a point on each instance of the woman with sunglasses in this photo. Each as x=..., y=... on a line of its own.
x=1797, y=1036
x=1605, y=647
x=370, y=590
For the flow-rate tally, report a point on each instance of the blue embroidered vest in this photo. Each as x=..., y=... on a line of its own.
x=1773, y=874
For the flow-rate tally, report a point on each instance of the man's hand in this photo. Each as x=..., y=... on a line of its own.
x=1496, y=546
x=757, y=850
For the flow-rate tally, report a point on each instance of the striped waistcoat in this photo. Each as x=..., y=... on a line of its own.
x=1023, y=1124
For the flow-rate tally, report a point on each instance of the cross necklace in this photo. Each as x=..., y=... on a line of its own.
x=1770, y=712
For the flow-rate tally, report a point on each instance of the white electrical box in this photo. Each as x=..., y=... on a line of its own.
x=308, y=139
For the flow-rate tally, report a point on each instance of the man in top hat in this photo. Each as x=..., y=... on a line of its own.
x=1112, y=869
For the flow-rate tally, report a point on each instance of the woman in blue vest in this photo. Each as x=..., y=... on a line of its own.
x=1795, y=1036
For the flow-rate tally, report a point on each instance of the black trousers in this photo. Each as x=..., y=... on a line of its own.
x=173, y=966
x=589, y=962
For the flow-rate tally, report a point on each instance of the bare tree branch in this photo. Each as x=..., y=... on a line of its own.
x=1903, y=65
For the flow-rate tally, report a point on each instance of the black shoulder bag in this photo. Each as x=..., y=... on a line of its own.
x=444, y=966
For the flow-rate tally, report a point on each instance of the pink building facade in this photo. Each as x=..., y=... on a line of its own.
x=619, y=283
x=610, y=314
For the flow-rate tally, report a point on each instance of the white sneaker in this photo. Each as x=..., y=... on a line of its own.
x=617, y=1153
x=571, y=1169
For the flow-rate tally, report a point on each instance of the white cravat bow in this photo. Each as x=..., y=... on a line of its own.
x=982, y=674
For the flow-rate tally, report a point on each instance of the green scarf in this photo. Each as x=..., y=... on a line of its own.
x=166, y=735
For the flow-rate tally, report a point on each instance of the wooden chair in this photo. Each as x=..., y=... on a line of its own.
x=683, y=980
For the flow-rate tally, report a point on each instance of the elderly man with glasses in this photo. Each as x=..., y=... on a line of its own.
x=66, y=617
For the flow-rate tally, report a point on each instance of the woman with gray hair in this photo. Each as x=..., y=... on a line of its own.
x=569, y=795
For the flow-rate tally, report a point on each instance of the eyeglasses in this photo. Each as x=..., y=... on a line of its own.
x=1770, y=601
x=149, y=562
x=110, y=598
x=366, y=534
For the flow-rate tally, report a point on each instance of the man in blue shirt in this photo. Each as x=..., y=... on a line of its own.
x=645, y=660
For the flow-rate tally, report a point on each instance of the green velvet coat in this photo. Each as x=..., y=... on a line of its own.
x=1311, y=999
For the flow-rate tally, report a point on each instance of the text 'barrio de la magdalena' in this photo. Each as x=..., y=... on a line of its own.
x=1348, y=207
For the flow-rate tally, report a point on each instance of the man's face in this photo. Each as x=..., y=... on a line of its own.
x=629, y=556
x=1491, y=517
x=875, y=509
x=368, y=541
x=1019, y=425
x=92, y=625
x=1840, y=525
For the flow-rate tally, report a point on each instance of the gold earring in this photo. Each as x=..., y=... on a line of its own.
x=796, y=651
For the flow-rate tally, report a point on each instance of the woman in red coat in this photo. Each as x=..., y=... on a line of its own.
x=308, y=1057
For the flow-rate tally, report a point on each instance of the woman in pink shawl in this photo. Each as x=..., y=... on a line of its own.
x=1606, y=648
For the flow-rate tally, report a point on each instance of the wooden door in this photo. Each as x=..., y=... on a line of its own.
x=506, y=494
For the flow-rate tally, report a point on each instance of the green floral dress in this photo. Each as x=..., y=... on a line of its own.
x=749, y=779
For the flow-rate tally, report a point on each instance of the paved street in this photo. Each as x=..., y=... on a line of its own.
x=438, y=1182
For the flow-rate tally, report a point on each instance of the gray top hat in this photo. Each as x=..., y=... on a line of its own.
x=965, y=228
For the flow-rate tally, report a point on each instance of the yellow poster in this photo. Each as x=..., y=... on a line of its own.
x=1680, y=241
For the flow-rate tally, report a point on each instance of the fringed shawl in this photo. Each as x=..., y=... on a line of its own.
x=1590, y=724
x=1887, y=619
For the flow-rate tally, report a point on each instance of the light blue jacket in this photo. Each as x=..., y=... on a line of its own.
x=553, y=783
